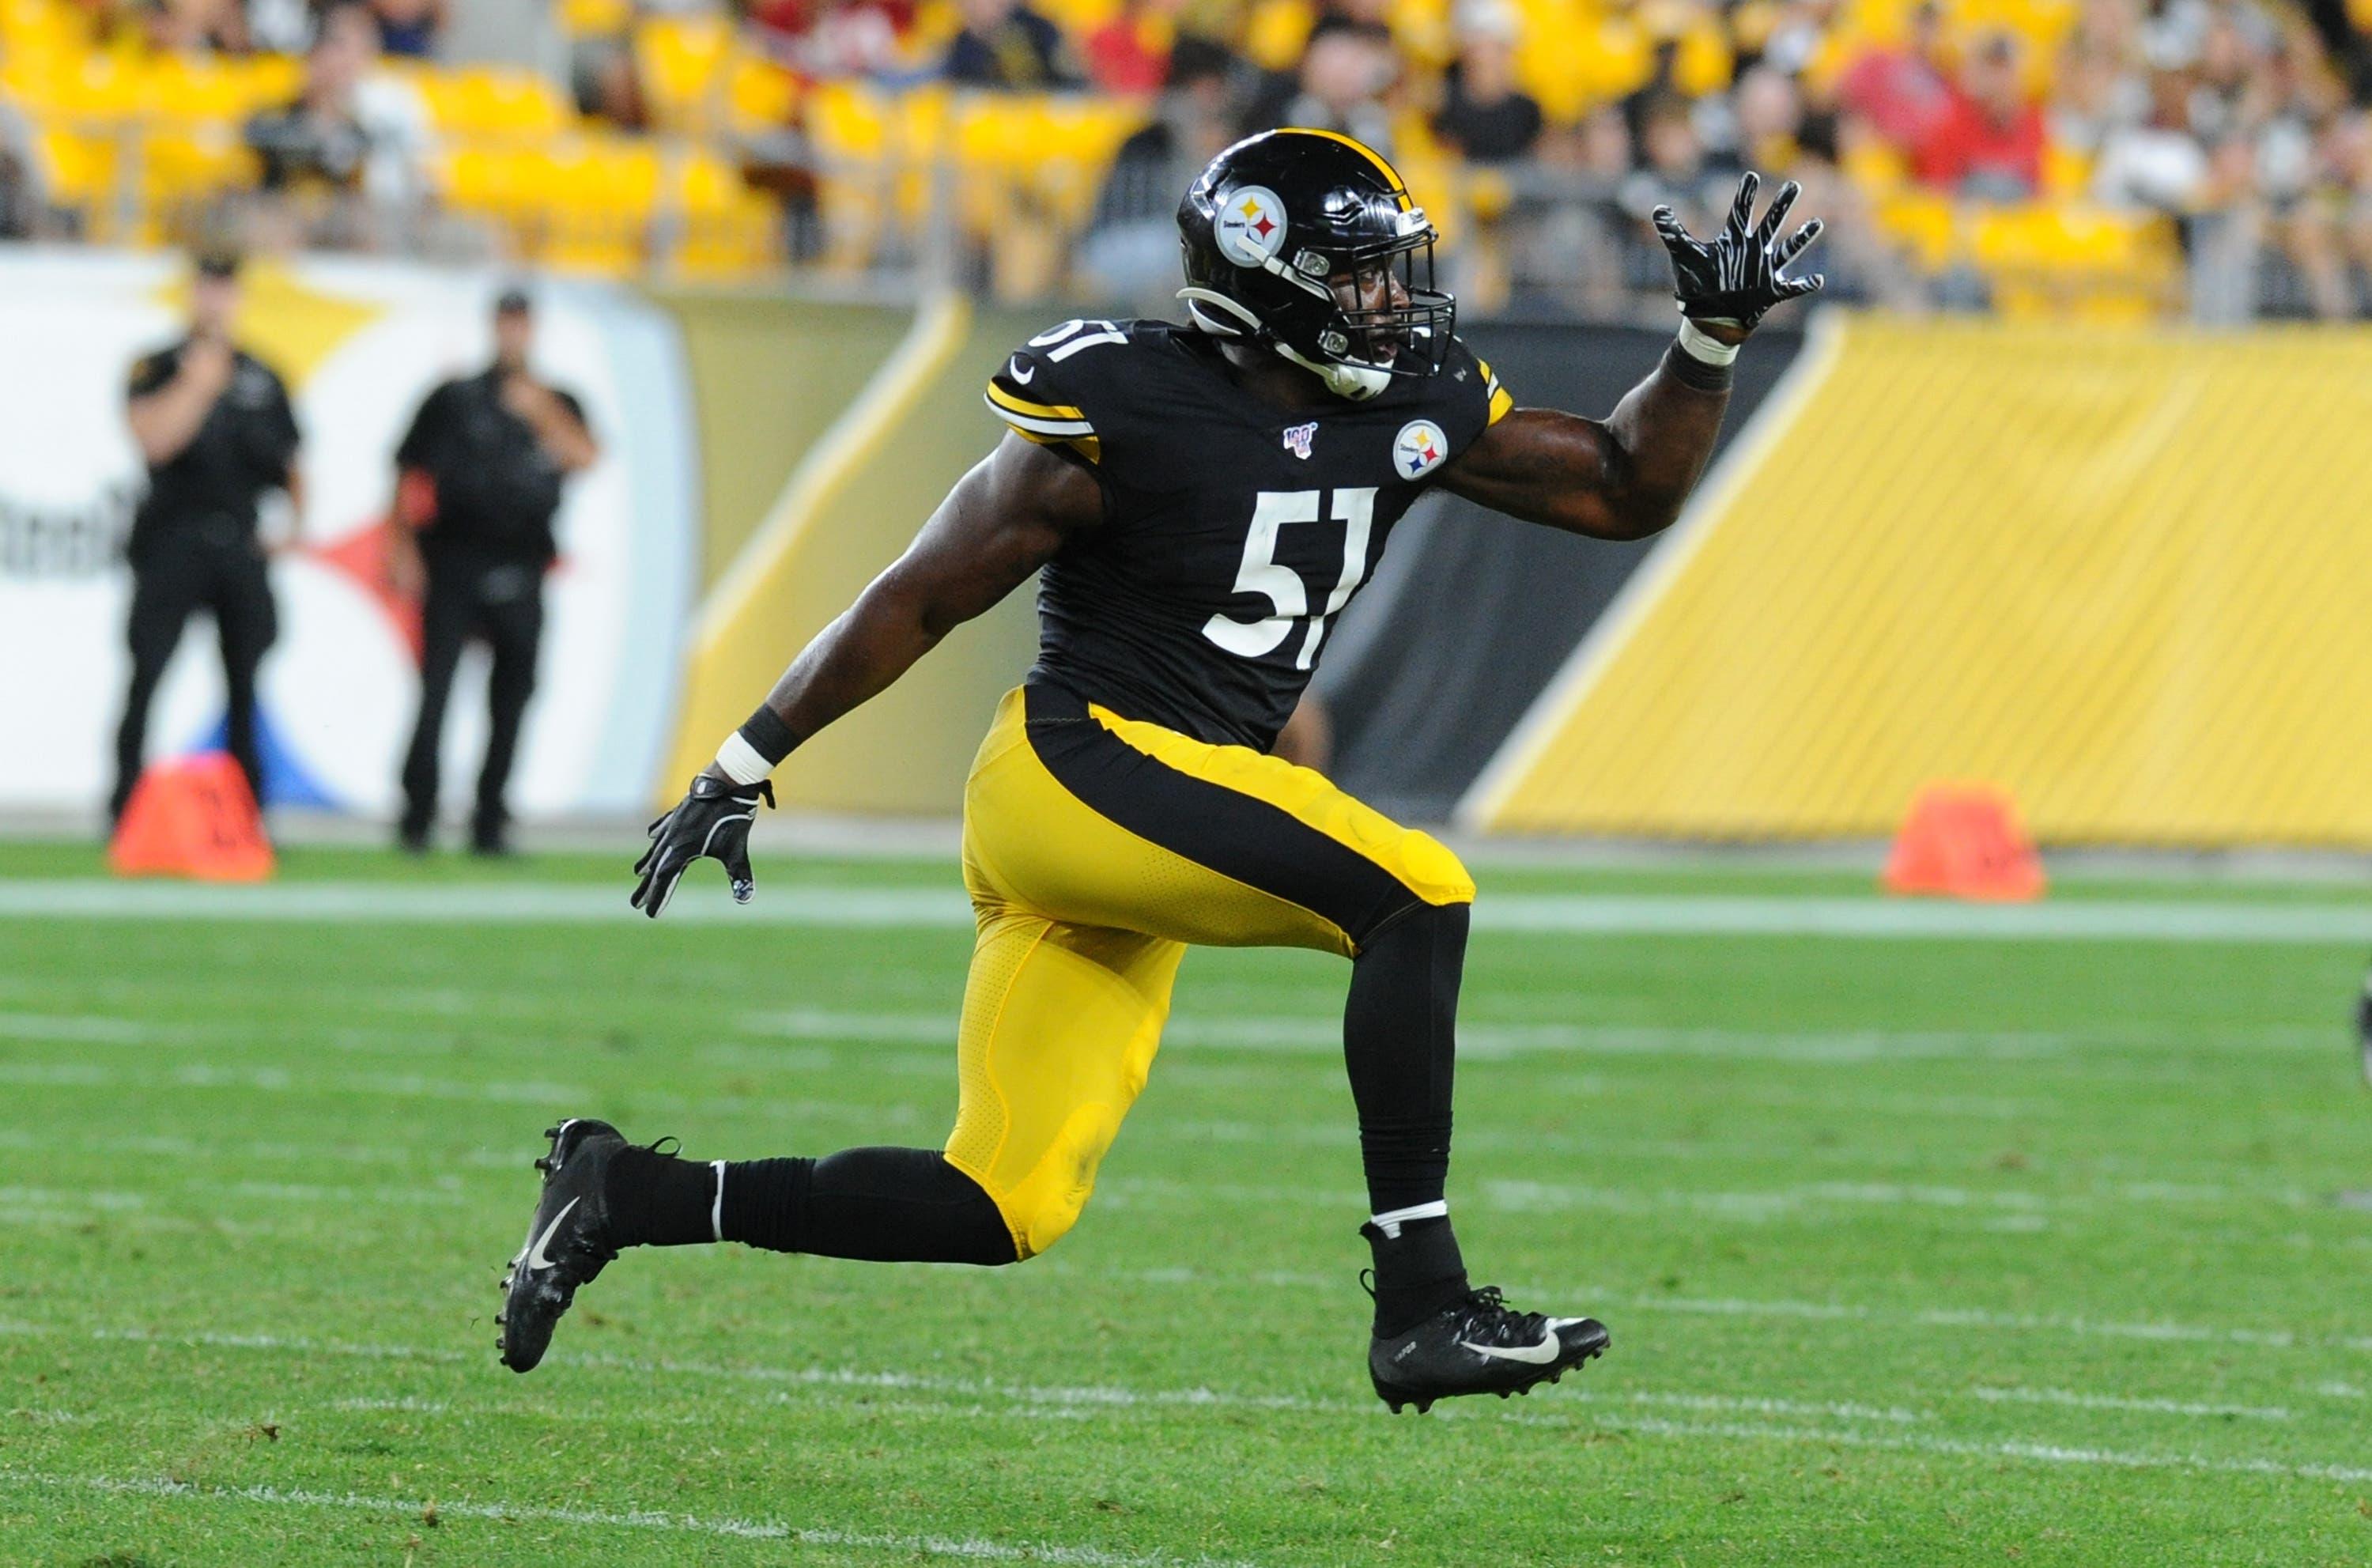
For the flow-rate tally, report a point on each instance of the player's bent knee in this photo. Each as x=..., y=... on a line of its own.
x=1432, y=871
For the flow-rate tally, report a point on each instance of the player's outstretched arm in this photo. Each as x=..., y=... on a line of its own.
x=1626, y=476
x=1003, y=520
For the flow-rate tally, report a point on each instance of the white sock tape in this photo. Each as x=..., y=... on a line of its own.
x=716, y=1205
x=1704, y=347
x=1390, y=1223
x=741, y=761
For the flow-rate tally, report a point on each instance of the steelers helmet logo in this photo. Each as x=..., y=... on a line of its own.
x=1419, y=448
x=1251, y=226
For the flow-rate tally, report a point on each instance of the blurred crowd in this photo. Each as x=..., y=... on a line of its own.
x=2224, y=143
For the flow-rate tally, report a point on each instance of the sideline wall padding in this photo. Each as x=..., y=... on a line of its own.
x=1471, y=614
x=768, y=376
x=863, y=488
x=2121, y=573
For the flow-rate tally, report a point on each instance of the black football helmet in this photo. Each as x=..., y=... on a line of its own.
x=1271, y=225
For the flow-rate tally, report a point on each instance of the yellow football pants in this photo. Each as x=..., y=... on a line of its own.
x=1096, y=849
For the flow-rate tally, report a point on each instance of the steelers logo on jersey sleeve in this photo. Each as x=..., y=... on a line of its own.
x=1251, y=226
x=1419, y=448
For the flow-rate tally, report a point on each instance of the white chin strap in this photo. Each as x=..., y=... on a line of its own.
x=1356, y=382
x=1216, y=314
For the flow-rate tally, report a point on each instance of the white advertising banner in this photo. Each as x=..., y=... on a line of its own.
x=359, y=344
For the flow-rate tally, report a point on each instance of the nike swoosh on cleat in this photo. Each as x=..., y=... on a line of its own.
x=1540, y=1354
x=537, y=1259
x=1015, y=369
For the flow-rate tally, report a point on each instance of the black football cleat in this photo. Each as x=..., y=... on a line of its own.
x=567, y=1241
x=1479, y=1346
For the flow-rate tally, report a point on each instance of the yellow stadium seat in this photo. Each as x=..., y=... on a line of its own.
x=1275, y=30
x=191, y=163
x=729, y=231
x=597, y=206
x=595, y=18
x=1924, y=223
x=487, y=100
x=760, y=95
x=1074, y=138
x=1556, y=57
x=682, y=63
x=1079, y=17
x=81, y=167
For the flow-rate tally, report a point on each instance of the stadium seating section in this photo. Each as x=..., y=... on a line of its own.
x=132, y=140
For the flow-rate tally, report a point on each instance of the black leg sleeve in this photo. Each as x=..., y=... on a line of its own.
x=1400, y=1040
x=883, y=1206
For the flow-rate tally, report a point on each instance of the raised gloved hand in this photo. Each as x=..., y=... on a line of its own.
x=1740, y=273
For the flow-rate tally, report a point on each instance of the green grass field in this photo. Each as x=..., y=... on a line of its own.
x=1916, y=1250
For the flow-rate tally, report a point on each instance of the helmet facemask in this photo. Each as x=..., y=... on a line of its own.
x=1389, y=319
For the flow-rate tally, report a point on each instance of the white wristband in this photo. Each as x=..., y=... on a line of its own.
x=741, y=761
x=1704, y=347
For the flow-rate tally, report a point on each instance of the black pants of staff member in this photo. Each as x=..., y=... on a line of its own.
x=222, y=572
x=504, y=606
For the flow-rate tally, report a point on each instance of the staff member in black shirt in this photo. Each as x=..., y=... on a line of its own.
x=215, y=425
x=479, y=481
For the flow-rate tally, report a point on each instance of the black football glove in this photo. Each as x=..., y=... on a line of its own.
x=1742, y=273
x=711, y=822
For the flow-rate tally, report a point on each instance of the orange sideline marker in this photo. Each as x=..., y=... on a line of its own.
x=1964, y=842
x=192, y=817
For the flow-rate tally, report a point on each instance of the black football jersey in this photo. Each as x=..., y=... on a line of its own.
x=1235, y=528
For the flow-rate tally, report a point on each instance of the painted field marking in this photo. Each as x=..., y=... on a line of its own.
x=1951, y=1317
x=969, y=1548
x=1619, y=914
x=1091, y=1396
x=2070, y=1400
x=1922, y=1442
x=1109, y=1398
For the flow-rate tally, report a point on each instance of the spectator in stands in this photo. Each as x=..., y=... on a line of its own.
x=1131, y=247
x=350, y=133
x=1989, y=145
x=408, y=28
x=24, y=184
x=1345, y=73
x=1904, y=92
x=1130, y=53
x=1484, y=114
x=195, y=27
x=1674, y=173
x=279, y=27
x=1005, y=44
x=830, y=39
x=2157, y=164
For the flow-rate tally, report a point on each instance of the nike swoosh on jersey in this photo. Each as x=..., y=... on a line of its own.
x=1015, y=369
x=1540, y=1354
x=536, y=1259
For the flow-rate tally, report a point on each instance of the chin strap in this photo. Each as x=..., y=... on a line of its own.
x=1226, y=318
x=1356, y=382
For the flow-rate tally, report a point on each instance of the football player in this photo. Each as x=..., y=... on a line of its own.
x=1201, y=502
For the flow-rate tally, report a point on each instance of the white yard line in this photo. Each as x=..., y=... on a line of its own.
x=2106, y=920
x=969, y=1548
x=1478, y=1038
x=1922, y=1442
x=2071, y=1399
x=1086, y=1396
x=1091, y=1398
